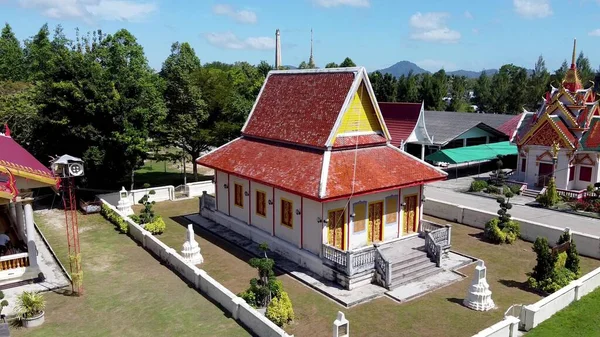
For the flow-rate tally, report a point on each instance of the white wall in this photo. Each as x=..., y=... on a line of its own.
x=311, y=228
x=222, y=178
x=196, y=189
x=241, y=213
x=291, y=235
x=264, y=223
x=508, y=327
x=161, y=193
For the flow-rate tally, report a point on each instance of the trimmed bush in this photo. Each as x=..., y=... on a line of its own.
x=157, y=226
x=554, y=271
x=503, y=229
x=280, y=310
x=492, y=189
x=478, y=185
x=114, y=218
x=550, y=196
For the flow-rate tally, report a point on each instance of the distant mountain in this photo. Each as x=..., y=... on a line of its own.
x=405, y=67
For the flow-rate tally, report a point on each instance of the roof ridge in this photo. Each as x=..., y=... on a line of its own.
x=316, y=71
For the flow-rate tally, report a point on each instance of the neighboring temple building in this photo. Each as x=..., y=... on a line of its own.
x=20, y=172
x=570, y=118
x=315, y=176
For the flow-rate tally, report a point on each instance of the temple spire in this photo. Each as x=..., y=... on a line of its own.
x=311, y=61
x=573, y=65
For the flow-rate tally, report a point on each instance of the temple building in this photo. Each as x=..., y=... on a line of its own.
x=561, y=139
x=20, y=172
x=315, y=176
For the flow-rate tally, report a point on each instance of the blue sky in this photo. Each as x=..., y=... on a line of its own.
x=457, y=34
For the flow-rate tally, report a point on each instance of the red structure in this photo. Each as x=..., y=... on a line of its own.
x=72, y=227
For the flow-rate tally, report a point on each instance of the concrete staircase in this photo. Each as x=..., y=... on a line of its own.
x=409, y=264
x=530, y=193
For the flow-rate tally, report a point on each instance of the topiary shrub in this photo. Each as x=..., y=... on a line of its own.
x=492, y=189
x=503, y=229
x=550, y=196
x=157, y=226
x=554, y=271
x=478, y=185
x=114, y=218
x=135, y=218
x=280, y=310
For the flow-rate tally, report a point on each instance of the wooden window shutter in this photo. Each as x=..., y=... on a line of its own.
x=391, y=209
x=360, y=215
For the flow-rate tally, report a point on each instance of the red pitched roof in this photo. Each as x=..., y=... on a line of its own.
x=22, y=163
x=299, y=108
x=350, y=141
x=509, y=127
x=395, y=169
x=591, y=140
x=565, y=130
x=298, y=169
x=292, y=168
x=400, y=118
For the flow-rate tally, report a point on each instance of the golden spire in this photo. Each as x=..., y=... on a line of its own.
x=573, y=65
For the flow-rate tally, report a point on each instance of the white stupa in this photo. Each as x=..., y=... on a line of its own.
x=124, y=205
x=191, y=249
x=479, y=296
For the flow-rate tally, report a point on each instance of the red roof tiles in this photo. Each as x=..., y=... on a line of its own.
x=591, y=140
x=299, y=108
x=565, y=130
x=20, y=162
x=400, y=118
x=510, y=126
x=350, y=141
x=291, y=168
x=377, y=168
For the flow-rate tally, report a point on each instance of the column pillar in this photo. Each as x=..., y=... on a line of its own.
x=31, y=248
x=422, y=151
x=20, y=220
x=464, y=142
x=12, y=211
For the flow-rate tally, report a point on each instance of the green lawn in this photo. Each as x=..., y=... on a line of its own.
x=161, y=173
x=507, y=268
x=127, y=291
x=578, y=319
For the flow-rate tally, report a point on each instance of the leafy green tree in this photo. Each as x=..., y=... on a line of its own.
x=39, y=55
x=538, y=84
x=347, y=63
x=433, y=89
x=331, y=65
x=18, y=109
x=11, y=56
x=483, y=93
x=303, y=65
x=384, y=86
x=459, y=94
x=263, y=68
x=408, y=89
x=559, y=74
x=186, y=110
x=584, y=69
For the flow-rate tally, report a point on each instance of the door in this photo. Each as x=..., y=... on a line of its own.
x=336, y=224
x=411, y=216
x=375, y=231
x=544, y=174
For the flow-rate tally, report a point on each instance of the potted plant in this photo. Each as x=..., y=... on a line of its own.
x=31, y=307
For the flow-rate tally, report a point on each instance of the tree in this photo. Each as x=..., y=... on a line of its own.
x=38, y=54
x=186, y=111
x=585, y=71
x=303, y=65
x=538, y=84
x=559, y=74
x=331, y=65
x=347, y=63
x=264, y=68
x=408, y=89
x=483, y=93
x=11, y=56
x=384, y=86
x=433, y=89
x=459, y=94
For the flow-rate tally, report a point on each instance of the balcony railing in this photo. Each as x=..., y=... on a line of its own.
x=438, y=241
x=14, y=261
x=350, y=262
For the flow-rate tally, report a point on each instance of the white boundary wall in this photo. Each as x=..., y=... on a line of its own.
x=587, y=245
x=162, y=193
x=239, y=309
x=508, y=327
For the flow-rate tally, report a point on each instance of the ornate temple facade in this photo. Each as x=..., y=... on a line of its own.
x=561, y=139
x=314, y=172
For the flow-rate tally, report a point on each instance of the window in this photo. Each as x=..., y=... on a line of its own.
x=287, y=213
x=391, y=209
x=261, y=203
x=239, y=196
x=523, y=164
x=571, y=173
x=360, y=214
x=585, y=173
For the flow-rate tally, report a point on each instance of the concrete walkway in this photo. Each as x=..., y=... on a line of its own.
x=581, y=224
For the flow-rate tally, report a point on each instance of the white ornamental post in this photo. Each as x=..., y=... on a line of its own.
x=124, y=205
x=191, y=249
x=341, y=326
x=479, y=296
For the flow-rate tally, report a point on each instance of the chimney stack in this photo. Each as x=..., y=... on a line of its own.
x=277, y=50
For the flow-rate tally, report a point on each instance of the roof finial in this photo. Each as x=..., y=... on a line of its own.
x=573, y=65
x=311, y=60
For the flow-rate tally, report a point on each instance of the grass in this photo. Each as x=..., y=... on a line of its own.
x=161, y=173
x=578, y=319
x=127, y=291
x=507, y=268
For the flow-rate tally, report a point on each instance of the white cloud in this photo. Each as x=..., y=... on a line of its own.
x=595, y=32
x=468, y=15
x=241, y=16
x=532, y=8
x=90, y=10
x=229, y=40
x=432, y=27
x=435, y=65
x=336, y=3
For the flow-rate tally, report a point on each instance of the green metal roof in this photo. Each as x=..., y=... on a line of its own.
x=473, y=153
